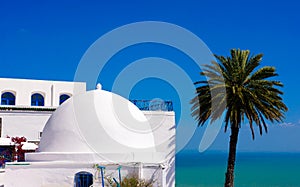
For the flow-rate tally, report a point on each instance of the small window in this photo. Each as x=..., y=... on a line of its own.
x=63, y=98
x=8, y=98
x=37, y=100
x=40, y=135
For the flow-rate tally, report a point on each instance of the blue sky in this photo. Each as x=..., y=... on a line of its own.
x=46, y=40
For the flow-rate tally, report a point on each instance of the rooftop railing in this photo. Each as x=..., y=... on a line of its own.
x=153, y=105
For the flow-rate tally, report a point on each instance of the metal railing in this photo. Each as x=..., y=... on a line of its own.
x=153, y=105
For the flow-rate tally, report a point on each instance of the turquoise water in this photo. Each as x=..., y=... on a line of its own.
x=252, y=169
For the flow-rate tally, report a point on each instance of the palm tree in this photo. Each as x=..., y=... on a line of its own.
x=241, y=90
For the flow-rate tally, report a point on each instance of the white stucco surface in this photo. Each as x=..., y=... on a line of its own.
x=103, y=126
x=41, y=174
x=6, y=141
x=94, y=127
x=51, y=90
x=16, y=120
x=26, y=123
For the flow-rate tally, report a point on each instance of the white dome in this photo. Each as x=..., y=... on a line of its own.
x=97, y=122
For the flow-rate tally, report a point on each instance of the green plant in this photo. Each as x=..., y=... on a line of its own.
x=133, y=180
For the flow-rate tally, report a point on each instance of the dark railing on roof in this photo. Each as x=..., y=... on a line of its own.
x=153, y=105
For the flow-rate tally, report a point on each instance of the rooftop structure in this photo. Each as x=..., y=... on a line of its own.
x=99, y=127
x=93, y=128
x=26, y=105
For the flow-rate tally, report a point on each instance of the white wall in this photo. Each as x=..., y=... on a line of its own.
x=164, y=132
x=163, y=128
x=51, y=90
x=59, y=174
x=27, y=124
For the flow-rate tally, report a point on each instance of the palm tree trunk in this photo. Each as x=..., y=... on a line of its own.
x=231, y=157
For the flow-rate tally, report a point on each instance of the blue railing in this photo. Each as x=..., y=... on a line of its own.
x=153, y=105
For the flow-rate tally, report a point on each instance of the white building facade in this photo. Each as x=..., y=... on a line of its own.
x=24, y=92
x=116, y=132
x=26, y=105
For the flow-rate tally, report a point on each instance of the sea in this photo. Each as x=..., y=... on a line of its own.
x=253, y=169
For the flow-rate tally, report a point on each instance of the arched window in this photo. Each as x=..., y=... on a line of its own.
x=37, y=100
x=63, y=98
x=8, y=98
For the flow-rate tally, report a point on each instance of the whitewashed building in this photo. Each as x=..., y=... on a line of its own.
x=91, y=128
x=26, y=105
